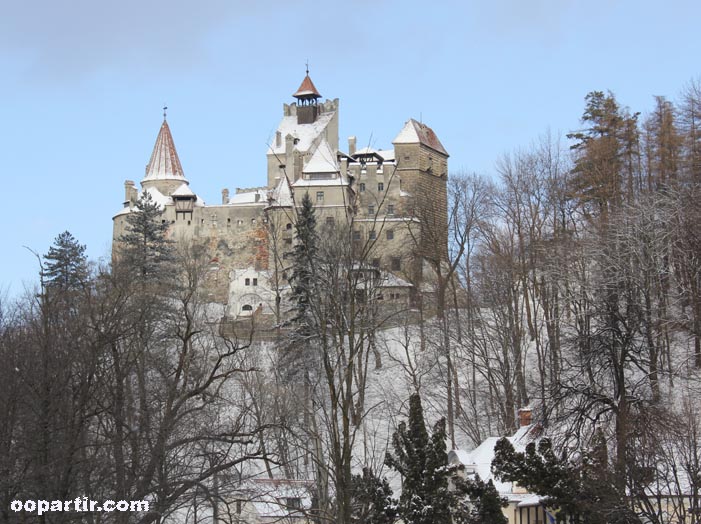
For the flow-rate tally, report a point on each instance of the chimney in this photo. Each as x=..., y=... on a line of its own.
x=351, y=145
x=525, y=416
x=130, y=193
x=225, y=196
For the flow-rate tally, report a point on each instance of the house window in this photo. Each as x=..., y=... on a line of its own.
x=248, y=281
x=329, y=221
x=390, y=234
x=371, y=210
x=238, y=507
x=294, y=503
x=373, y=235
x=356, y=235
x=362, y=187
x=319, y=197
x=288, y=226
x=380, y=186
x=390, y=209
x=375, y=262
x=255, y=281
x=396, y=263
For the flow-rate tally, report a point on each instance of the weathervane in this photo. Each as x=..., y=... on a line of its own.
x=165, y=108
x=307, y=64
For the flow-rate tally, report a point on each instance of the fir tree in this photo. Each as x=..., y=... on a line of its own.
x=146, y=251
x=372, y=500
x=66, y=267
x=303, y=261
x=422, y=462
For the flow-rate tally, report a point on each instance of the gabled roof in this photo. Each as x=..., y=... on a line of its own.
x=183, y=191
x=164, y=163
x=281, y=196
x=307, y=89
x=418, y=133
x=324, y=160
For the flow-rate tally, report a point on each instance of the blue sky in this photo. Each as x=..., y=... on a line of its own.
x=83, y=83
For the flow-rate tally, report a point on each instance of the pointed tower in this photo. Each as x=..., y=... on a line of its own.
x=307, y=106
x=163, y=171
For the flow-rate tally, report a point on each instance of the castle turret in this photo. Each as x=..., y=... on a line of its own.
x=307, y=95
x=163, y=171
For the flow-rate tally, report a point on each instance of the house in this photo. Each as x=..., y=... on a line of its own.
x=283, y=501
x=523, y=507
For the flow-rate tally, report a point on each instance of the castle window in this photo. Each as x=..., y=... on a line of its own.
x=371, y=210
x=362, y=187
x=163, y=221
x=329, y=221
x=228, y=222
x=288, y=226
x=396, y=263
x=202, y=221
x=390, y=234
x=248, y=281
x=247, y=307
x=356, y=235
x=390, y=209
x=375, y=262
x=319, y=197
x=188, y=222
x=255, y=281
x=239, y=222
x=253, y=221
x=380, y=186
x=288, y=241
x=373, y=235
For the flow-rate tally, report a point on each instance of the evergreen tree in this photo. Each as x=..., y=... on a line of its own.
x=372, y=500
x=422, y=462
x=485, y=504
x=146, y=251
x=585, y=489
x=66, y=267
x=303, y=261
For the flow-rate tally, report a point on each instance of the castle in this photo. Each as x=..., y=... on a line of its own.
x=391, y=197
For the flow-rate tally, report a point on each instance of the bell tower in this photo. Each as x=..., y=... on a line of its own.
x=307, y=97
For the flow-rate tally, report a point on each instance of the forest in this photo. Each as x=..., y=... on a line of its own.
x=569, y=283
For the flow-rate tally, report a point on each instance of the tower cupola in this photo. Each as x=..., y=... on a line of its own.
x=307, y=96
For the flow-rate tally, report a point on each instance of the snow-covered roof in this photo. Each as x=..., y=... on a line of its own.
x=479, y=460
x=307, y=89
x=164, y=163
x=387, y=155
x=281, y=196
x=324, y=160
x=306, y=134
x=183, y=191
x=259, y=196
x=418, y=133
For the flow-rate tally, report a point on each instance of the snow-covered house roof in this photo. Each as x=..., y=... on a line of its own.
x=418, y=133
x=164, y=163
x=479, y=460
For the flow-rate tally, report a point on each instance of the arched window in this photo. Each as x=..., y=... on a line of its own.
x=247, y=307
x=288, y=226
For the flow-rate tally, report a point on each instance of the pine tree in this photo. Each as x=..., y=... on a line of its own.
x=422, y=462
x=303, y=261
x=146, y=251
x=372, y=500
x=66, y=267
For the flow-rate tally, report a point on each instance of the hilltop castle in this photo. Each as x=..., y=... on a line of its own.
x=391, y=197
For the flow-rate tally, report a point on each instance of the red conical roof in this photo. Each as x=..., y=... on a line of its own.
x=307, y=89
x=164, y=163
